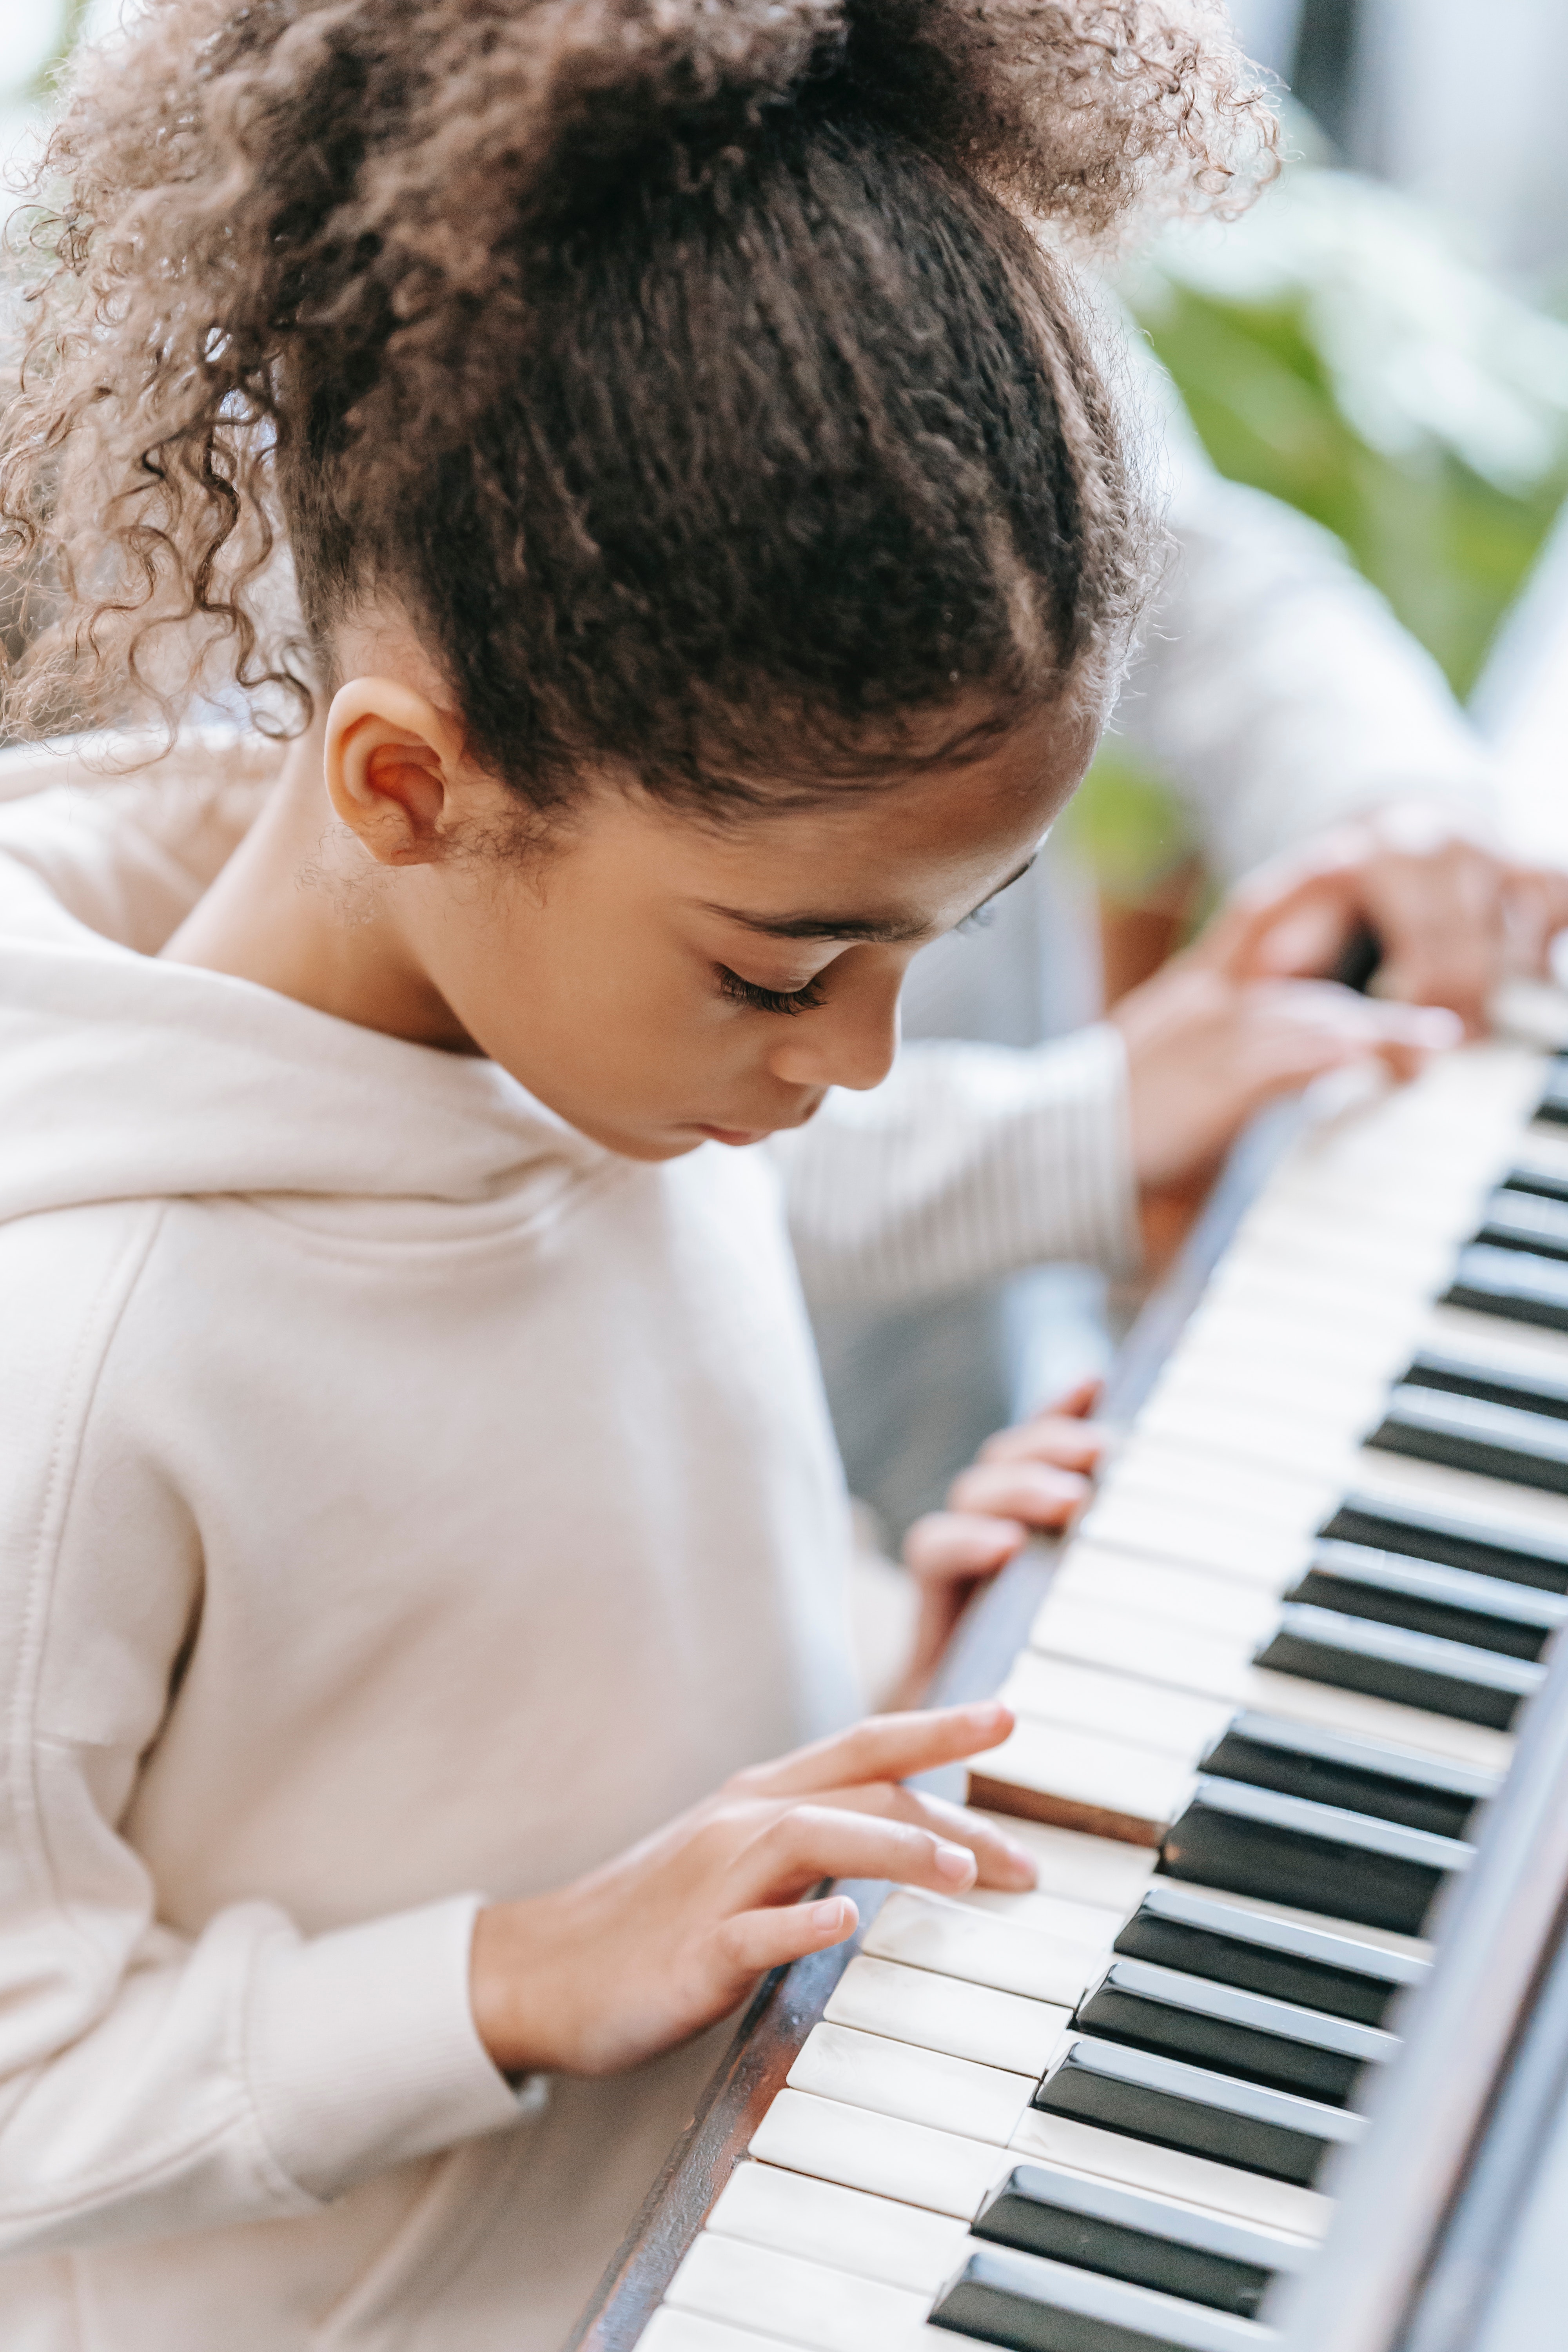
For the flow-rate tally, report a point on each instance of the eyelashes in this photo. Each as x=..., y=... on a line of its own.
x=768, y=999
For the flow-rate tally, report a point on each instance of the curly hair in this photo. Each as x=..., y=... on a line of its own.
x=698, y=375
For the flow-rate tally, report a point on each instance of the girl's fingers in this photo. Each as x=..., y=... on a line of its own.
x=754, y=1941
x=948, y=1546
x=804, y=1842
x=1071, y=1444
x=1002, y=1862
x=1035, y=1492
x=883, y=1747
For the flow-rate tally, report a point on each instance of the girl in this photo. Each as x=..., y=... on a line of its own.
x=714, y=550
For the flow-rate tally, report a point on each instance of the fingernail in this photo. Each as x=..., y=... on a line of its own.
x=828, y=1917
x=955, y=1863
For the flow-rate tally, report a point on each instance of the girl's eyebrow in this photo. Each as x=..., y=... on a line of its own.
x=882, y=930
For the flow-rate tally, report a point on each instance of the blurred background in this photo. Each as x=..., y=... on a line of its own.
x=1383, y=343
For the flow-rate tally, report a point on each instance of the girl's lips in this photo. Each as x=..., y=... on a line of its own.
x=734, y=1135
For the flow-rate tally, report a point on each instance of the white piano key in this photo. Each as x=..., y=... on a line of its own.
x=948, y=2013
x=916, y=2163
x=1164, y=1468
x=1389, y=1261
x=1333, y=1402
x=1049, y=1772
x=1035, y=1954
x=1097, y=1873
x=1436, y=1202
x=687, y=2331
x=1256, y=1436
x=1519, y=1348
x=1170, y=2173
x=843, y=2229
x=1104, y=1576
x=1099, y=1696
x=1187, y=1532
x=1148, y=1656
x=953, y=2094
x=1517, y=1512
x=1163, y=1472
x=798, y=2301
x=1270, y=1321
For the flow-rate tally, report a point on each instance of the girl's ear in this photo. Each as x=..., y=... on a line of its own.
x=391, y=763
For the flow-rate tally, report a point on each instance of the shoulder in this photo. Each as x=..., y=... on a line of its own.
x=120, y=835
x=66, y=1278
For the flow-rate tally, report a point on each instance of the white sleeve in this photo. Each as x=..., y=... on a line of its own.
x=970, y=1161
x=159, y=2076
x=1277, y=692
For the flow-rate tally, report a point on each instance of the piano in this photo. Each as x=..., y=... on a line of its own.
x=1291, y=1756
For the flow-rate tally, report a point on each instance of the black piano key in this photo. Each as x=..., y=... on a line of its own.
x=1453, y=1539
x=1342, y=1769
x=1453, y=1603
x=1125, y=2234
x=1035, y=2305
x=1524, y=1221
x=1147, y=2096
x=1314, y=1857
x=1520, y=1285
x=1325, y=1968
x=1262, y=2040
x=1493, y=1441
x=1451, y=1678
x=1539, y=1180
x=1536, y=1390
x=1554, y=1105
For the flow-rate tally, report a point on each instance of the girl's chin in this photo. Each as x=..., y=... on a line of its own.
x=736, y=1137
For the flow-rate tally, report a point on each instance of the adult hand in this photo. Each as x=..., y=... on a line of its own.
x=668, y=1938
x=1205, y=1051
x=1034, y=1477
x=1454, y=918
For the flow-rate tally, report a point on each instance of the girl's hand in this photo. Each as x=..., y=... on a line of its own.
x=1036, y=1476
x=644, y=1953
x=1204, y=1051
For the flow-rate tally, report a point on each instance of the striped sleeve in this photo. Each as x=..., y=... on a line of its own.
x=969, y=1162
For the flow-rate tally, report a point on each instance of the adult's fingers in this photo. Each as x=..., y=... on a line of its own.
x=1036, y=1492
x=1537, y=909
x=1071, y=1445
x=948, y=1546
x=1443, y=922
x=883, y=1747
x=1287, y=921
x=754, y=1941
x=1295, y=1031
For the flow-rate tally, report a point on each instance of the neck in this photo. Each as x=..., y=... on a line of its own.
x=299, y=909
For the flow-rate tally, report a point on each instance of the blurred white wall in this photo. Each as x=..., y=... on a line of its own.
x=1460, y=103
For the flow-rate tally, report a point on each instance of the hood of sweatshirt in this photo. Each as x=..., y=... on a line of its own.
x=124, y=1078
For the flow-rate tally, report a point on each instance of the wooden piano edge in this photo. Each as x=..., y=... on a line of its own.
x=790, y=2001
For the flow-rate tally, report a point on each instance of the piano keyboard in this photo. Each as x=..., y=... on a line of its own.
x=1273, y=1683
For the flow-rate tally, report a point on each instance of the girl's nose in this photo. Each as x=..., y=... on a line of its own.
x=850, y=1041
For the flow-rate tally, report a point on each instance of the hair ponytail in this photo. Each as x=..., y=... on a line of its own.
x=672, y=362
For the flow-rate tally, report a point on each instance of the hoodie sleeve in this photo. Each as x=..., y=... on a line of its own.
x=970, y=1161
x=159, y=2076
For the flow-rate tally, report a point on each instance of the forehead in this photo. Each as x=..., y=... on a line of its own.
x=906, y=856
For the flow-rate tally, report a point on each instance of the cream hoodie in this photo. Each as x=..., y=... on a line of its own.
x=404, y=1503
